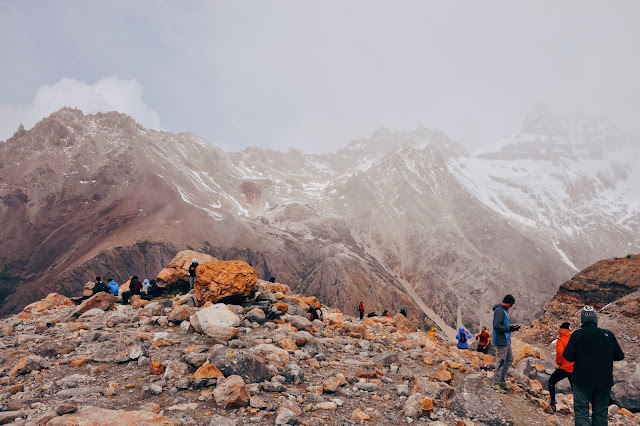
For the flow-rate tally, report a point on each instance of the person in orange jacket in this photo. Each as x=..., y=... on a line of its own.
x=564, y=368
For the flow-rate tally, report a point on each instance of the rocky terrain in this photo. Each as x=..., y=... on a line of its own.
x=613, y=287
x=199, y=358
x=398, y=220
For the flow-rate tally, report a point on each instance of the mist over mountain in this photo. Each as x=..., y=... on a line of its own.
x=402, y=219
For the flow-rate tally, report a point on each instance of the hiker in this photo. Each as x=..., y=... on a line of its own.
x=484, y=339
x=371, y=315
x=145, y=285
x=593, y=351
x=113, y=287
x=135, y=286
x=502, y=330
x=272, y=279
x=462, y=337
x=385, y=313
x=361, y=310
x=313, y=313
x=99, y=286
x=432, y=333
x=192, y=273
x=153, y=291
x=403, y=312
x=564, y=368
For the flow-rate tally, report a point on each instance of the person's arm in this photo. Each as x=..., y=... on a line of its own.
x=560, y=347
x=569, y=352
x=618, y=355
x=498, y=321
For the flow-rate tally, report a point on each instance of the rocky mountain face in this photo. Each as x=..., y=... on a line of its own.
x=169, y=361
x=403, y=219
x=612, y=286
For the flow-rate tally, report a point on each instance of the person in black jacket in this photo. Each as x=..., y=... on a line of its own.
x=192, y=273
x=593, y=350
x=99, y=286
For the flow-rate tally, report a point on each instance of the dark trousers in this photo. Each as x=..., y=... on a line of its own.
x=555, y=378
x=598, y=397
x=484, y=350
x=361, y=314
x=126, y=295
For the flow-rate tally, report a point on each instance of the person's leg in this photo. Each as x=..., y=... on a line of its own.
x=555, y=378
x=125, y=296
x=600, y=406
x=192, y=280
x=507, y=364
x=501, y=355
x=581, y=399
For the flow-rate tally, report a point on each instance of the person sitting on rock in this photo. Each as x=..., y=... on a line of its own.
x=564, y=368
x=371, y=315
x=153, y=291
x=113, y=287
x=192, y=273
x=463, y=336
x=484, y=340
x=135, y=287
x=403, y=312
x=99, y=286
x=145, y=285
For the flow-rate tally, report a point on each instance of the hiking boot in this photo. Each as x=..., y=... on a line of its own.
x=498, y=388
x=504, y=386
x=553, y=407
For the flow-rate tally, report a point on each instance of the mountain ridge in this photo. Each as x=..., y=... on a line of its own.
x=406, y=209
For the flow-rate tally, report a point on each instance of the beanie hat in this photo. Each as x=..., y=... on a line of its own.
x=146, y=281
x=565, y=325
x=195, y=260
x=588, y=314
x=509, y=299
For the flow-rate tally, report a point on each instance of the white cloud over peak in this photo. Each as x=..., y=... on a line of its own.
x=111, y=93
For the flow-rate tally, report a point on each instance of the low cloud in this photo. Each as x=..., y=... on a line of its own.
x=111, y=93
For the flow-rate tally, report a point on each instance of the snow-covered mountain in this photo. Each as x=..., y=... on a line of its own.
x=402, y=219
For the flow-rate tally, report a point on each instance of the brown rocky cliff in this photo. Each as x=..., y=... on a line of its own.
x=612, y=284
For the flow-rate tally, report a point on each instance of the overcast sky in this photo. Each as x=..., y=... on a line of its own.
x=315, y=75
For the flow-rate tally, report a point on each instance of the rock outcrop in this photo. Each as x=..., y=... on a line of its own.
x=220, y=281
x=176, y=273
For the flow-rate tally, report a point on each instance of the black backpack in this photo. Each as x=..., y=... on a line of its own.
x=463, y=337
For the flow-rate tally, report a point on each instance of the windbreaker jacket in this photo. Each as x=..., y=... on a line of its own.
x=593, y=350
x=563, y=364
x=501, y=326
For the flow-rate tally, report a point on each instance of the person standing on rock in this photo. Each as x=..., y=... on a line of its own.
x=502, y=330
x=463, y=337
x=593, y=351
x=484, y=339
x=192, y=273
x=361, y=310
x=564, y=368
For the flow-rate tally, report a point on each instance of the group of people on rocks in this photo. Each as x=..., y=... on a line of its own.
x=385, y=313
x=147, y=290
x=585, y=357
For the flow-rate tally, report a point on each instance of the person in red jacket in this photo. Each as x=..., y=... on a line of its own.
x=485, y=339
x=361, y=309
x=135, y=287
x=564, y=368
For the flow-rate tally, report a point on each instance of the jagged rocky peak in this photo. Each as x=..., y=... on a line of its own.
x=545, y=135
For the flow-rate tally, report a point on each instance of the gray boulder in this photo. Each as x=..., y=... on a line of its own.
x=475, y=399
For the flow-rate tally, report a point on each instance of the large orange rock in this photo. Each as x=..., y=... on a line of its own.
x=97, y=416
x=223, y=280
x=53, y=300
x=176, y=273
x=101, y=300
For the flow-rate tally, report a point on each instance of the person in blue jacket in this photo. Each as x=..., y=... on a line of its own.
x=502, y=330
x=463, y=337
x=113, y=286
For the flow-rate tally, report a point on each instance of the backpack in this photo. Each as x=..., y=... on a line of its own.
x=463, y=337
